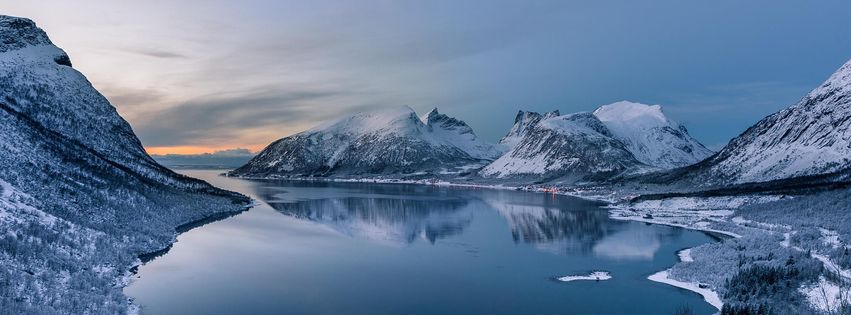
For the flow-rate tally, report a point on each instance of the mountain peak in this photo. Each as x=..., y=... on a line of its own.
x=431, y=115
x=808, y=138
x=25, y=42
x=17, y=33
x=525, y=116
x=522, y=122
x=626, y=111
x=552, y=114
x=651, y=137
x=839, y=81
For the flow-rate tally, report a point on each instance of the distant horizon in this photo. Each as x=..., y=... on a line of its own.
x=199, y=77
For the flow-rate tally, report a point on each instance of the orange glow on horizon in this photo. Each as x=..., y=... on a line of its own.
x=196, y=149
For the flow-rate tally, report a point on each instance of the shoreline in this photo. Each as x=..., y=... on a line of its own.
x=614, y=213
x=432, y=182
x=709, y=295
x=684, y=255
x=143, y=258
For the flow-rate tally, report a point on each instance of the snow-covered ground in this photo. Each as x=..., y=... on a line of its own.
x=685, y=255
x=709, y=296
x=722, y=215
x=694, y=219
x=825, y=295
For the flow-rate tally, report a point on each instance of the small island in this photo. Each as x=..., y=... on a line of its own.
x=596, y=276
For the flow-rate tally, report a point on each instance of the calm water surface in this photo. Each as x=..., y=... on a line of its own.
x=347, y=248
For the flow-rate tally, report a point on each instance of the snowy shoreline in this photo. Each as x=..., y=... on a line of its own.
x=709, y=296
x=432, y=182
x=615, y=212
x=684, y=255
x=127, y=277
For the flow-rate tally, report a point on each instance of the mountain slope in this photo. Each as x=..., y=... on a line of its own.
x=576, y=146
x=619, y=138
x=80, y=197
x=460, y=135
x=384, y=142
x=812, y=137
x=523, y=122
x=652, y=138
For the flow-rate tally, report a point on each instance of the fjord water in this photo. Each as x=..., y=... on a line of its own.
x=355, y=248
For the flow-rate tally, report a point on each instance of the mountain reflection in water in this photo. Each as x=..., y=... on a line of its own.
x=402, y=214
x=368, y=248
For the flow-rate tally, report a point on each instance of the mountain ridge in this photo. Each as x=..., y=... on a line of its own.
x=809, y=138
x=80, y=197
x=381, y=142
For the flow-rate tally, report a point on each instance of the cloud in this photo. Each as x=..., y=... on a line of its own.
x=224, y=158
x=156, y=53
x=227, y=153
x=218, y=119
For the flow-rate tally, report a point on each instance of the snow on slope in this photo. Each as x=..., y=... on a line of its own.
x=616, y=138
x=576, y=145
x=80, y=197
x=522, y=123
x=811, y=137
x=457, y=133
x=382, y=142
x=652, y=138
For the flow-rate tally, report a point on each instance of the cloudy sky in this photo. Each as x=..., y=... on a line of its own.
x=198, y=76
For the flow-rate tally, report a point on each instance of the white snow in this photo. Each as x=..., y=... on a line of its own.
x=462, y=137
x=832, y=266
x=826, y=296
x=652, y=138
x=685, y=255
x=595, y=276
x=709, y=296
x=533, y=157
x=810, y=137
x=830, y=237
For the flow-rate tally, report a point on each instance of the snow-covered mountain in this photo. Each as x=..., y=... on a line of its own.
x=460, y=135
x=573, y=146
x=80, y=197
x=384, y=142
x=523, y=122
x=809, y=138
x=652, y=138
x=614, y=139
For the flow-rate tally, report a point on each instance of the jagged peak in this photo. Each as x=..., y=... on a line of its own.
x=552, y=114
x=18, y=32
x=431, y=115
x=525, y=116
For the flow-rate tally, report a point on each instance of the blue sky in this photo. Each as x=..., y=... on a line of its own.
x=208, y=75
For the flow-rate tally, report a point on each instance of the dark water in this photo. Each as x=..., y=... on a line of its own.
x=346, y=248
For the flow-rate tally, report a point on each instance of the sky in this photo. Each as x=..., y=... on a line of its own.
x=200, y=76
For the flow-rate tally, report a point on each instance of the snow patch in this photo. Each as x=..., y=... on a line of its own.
x=709, y=296
x=685, y=255
x=825, y=295
x=595, y=276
